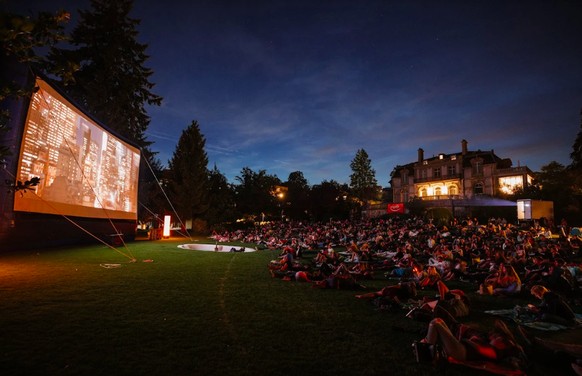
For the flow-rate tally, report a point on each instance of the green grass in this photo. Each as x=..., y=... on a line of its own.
x=193, y=313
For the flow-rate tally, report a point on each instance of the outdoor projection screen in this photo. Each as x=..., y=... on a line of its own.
x=84, y=171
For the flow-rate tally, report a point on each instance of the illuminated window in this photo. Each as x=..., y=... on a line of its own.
x=453, y=190
x=422, y=192
x=509, y=184
x=437, y=191
x=453, y=157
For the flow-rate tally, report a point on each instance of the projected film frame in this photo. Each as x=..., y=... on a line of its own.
x=85, y=171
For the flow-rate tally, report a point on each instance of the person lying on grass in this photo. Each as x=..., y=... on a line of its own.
x=340, y=278
x=467, y=344
x=455, y=302
x=392, y=297
x=400, y=292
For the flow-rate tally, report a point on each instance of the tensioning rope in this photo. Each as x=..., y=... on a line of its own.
x=165, y=195
x=74, y=223
x=97, y=197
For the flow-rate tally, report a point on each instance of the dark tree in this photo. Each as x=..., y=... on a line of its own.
x=575, y=171
x=330, y=200
x=105, y=71
x=255, y=193
x=363, y=178
x=20, y=36
x=188, y=175
x=153, y=187
x=297, y=200
x=221, y=199
x=556, y=182
x=576, y=154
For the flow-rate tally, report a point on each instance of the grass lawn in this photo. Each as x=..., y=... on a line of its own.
x=198, y=313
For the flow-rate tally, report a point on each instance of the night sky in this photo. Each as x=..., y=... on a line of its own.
x=287, y=86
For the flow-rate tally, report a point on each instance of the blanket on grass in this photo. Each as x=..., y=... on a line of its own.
x=491, y=367
x=572, y=349
x=529, y=321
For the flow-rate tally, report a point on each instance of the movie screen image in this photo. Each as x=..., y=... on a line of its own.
x=84, y=170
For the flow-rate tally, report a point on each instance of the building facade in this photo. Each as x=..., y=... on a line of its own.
x=465, y=175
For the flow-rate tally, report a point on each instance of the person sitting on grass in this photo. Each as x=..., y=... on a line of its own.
x=430, y=278
x=504, y=282
x=553, y=308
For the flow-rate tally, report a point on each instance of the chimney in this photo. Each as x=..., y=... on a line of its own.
x=464, y=147
x=420, y=155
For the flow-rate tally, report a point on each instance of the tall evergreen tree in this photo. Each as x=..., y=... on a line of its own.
x=221, y=200
x=188, y=174
x=109, y=78
x=363, y=181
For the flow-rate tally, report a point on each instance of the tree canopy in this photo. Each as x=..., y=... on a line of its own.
x=576, y=154
x=254, y=193
x=188, y=174
x=363, y=178
x=105, y=70
x=20, y=36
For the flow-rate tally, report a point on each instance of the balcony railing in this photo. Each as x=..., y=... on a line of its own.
x=441, y=197
x=434, y=178
x=512, y=170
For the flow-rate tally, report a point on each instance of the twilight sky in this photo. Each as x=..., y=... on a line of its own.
x=287, y=86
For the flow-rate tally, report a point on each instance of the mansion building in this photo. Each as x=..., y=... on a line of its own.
x=463, y=176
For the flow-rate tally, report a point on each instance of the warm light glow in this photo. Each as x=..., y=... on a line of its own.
x=279, y=192
x=167, y=226
x=509, y=184
x=438, y=189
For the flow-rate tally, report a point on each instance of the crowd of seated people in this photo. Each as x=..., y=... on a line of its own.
x=497, y=258
x=497, y=255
